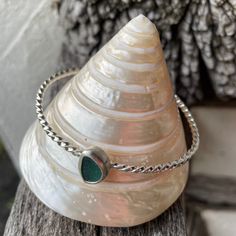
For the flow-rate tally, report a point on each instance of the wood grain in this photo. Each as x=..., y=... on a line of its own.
x=209, y=190
x=30, y=217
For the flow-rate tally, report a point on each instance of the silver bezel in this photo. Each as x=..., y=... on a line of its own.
x=100, y=158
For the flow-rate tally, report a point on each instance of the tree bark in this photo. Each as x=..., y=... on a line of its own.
x=198, y=37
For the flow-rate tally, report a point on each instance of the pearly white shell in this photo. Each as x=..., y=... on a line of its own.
x=122, y=101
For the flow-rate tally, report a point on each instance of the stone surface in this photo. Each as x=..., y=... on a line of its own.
x=211, y=191
x=205, y=220
x=216, y=154
x=30, y=43
x=219, y=222
x=213, y=176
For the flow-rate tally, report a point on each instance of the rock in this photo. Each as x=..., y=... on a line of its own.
x=213, y=177
x=208, y=221
x=219, y=222
x=216, y=154
x=211, y=190
x=30, y=43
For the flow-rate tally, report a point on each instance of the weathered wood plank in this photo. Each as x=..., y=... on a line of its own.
x=30, y=217
x=212, y=190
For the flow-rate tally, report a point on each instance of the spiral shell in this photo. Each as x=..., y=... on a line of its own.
x=122, y=101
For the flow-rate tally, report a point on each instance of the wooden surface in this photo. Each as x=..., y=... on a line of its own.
x=29, y=217
x=212, y=190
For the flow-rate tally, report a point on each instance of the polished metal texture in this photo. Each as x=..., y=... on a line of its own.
x=77, y=151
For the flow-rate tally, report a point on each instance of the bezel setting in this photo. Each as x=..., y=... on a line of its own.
x=100, y=159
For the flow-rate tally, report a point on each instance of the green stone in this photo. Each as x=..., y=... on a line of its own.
x=90, y=170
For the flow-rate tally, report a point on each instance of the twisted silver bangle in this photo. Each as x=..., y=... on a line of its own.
x=98, y=155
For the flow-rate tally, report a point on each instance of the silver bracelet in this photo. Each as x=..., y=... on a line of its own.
x=96, y=158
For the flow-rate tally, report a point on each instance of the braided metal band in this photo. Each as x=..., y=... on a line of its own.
x=77, y=151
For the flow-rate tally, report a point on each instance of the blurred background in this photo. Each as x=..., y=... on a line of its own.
x=199, y=42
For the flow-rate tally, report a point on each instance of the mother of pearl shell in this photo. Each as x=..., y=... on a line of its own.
x=122, y=101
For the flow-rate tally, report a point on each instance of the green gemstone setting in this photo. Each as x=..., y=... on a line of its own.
x=90, y=170
x=94, y=165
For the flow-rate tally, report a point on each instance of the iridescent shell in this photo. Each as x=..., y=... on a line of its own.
x=122, y=101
